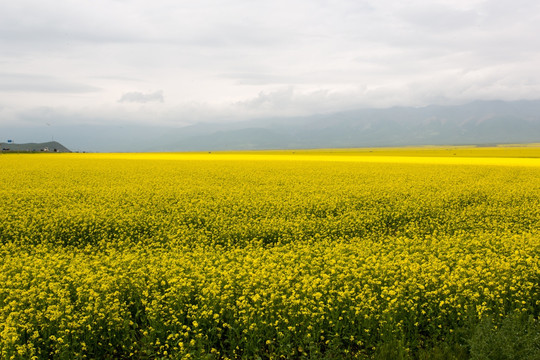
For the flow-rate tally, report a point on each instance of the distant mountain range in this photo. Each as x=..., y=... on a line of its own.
x=51, y=146
x=479, y=122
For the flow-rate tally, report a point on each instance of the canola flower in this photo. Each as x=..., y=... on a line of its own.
x=247, y=255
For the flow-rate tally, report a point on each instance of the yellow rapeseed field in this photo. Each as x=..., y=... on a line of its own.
x=278, y=254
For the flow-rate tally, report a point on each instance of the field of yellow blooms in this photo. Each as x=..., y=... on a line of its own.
x=326, y=254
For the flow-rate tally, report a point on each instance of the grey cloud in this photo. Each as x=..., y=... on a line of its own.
x=118, y=78
x=31, y=21
x=271, y=100
x=204, y=24
x=245, y=78
x=139, y=97
x=41, y=84
x=290, y=102
x=440, y=18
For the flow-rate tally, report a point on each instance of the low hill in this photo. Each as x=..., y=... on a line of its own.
x=51, y=146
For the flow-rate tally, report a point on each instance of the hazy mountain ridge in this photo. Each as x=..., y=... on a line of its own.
x=474, y=123
x=480, y=122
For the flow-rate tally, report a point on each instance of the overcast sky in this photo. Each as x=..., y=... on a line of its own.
x=180, y=62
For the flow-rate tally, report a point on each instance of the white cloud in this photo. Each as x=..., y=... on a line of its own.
x=139, y=97
x=228, y=60
x=28, y=83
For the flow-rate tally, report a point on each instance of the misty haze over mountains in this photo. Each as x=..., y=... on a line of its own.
x=480, y=122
